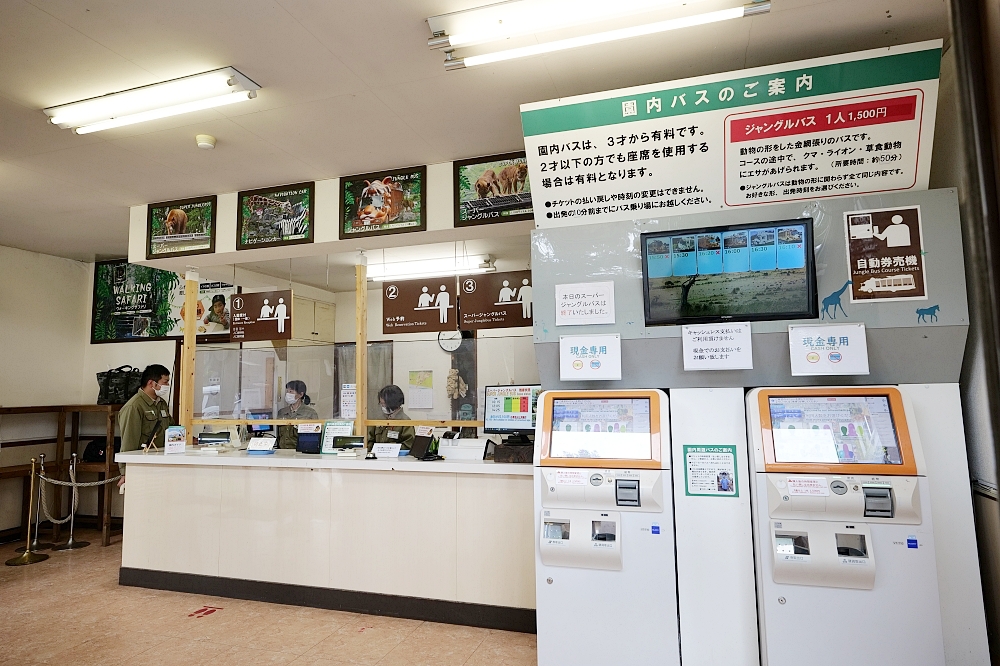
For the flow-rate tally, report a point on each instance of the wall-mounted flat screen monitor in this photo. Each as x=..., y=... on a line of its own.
x=511, y=409
x=616, y=428
x=746, y=272
x=834, y=430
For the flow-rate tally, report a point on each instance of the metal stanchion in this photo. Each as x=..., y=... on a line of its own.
x=29, y=556
x=35, y=545
x=71, y=543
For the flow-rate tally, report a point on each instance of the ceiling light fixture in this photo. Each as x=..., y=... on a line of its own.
x=752, y=9
x=427, y=268
x=207, y=90
x=523, y=17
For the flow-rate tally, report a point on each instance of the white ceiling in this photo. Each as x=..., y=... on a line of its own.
x=348, y=87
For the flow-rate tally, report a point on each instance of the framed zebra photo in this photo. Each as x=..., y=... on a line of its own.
x=276, y=216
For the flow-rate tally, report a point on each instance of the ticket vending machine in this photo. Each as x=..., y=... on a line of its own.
x=604, y=550
x=846, y=563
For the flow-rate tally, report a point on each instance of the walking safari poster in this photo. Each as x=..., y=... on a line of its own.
x=276, y=216
x=388, y=202
x=492, y=189
x=179, y=228
x=138, y=303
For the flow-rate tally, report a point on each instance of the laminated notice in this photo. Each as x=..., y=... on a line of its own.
x=570, y=477
x=813, y=486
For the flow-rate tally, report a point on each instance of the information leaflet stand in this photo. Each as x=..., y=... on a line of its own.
x=604, y=555
x=847, y=570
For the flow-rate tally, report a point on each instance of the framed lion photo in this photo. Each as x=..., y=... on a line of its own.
x=275, y=216
x=385, y=202
x=492, y=189
x=179, y=228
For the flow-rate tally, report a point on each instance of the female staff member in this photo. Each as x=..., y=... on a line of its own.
x=296, y=407
x=390, y=399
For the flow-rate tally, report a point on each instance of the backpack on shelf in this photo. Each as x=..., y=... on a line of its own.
x=118, y=385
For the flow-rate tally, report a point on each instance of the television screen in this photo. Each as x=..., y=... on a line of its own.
x=834, y=430
x=601, y=428
x=511, y=409
x=746, y=272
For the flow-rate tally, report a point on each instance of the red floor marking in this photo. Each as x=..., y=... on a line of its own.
x=204, y=611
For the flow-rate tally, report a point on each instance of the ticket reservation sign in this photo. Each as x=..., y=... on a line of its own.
x=851, y=124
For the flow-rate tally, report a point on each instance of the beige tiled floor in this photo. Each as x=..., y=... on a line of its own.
x=70, y=609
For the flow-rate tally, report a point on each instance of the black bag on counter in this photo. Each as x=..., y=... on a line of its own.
x=95, y=449
x=118, y=385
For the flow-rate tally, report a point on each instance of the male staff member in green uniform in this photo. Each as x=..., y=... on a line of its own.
x=145, y=413
x=390, y=399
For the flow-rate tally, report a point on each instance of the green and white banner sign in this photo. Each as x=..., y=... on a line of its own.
x=851, y=124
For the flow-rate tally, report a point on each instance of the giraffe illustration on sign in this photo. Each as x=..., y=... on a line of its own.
x=833, y=301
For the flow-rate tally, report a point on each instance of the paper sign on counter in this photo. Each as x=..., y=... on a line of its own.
x=384, y=451
x=424, y=431
x=261, y=443
x=174, y=440
x=333, y=429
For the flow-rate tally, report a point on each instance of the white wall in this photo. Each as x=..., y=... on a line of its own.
x=46, y=358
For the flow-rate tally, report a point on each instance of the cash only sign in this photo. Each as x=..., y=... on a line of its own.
x=858, y=123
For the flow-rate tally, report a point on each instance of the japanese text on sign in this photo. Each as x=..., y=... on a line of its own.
x=585, y=303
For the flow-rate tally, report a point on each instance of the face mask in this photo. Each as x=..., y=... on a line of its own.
x=291, y=398
x=163, y=392
x=385, y=410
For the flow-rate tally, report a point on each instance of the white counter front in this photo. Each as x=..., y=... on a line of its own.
x=288, y=458
x=453, y=531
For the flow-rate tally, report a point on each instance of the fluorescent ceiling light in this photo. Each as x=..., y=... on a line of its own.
x=191, y=93
x=425, y=268
x=608, y=36
x=522, y=17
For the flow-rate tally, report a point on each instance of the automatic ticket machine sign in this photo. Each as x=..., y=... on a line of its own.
x=844, y=532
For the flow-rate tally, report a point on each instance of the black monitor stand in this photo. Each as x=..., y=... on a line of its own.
x=518, y=440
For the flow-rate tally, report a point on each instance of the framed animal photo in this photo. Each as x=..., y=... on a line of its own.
x=178, y=228
x=492, y=189
x=387, y=202
x=275, y=216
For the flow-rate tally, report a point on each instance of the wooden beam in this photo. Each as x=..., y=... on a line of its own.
x=361, y=344
x=187, y=352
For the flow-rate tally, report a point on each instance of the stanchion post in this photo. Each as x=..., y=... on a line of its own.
x=37, y=492
x=72, y=543
x=28, y=556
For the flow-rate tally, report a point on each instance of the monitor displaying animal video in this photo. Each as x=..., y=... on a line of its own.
x=747, y=272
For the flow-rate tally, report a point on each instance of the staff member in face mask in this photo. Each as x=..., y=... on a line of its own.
x=390, y=399
x=296, y=407
x=145, y=413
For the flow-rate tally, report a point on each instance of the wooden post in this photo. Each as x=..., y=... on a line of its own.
x=361, y=344
x=187, y=352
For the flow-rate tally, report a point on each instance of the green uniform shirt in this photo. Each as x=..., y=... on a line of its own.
x=288, y=436
x=137, y=420
x=380, y=434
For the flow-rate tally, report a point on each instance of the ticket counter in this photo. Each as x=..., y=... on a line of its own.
x=443, y=541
